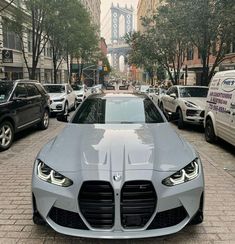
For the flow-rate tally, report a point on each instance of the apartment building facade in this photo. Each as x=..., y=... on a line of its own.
x=12, y=64
x=191, y=72
x=93, y=7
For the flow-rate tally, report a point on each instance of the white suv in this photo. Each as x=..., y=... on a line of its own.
x=185, y=103
x=62, y=97
x=81, y=92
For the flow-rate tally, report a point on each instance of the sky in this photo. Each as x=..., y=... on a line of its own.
x=106, y=15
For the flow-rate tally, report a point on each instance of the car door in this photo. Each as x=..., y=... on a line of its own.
x=170, y=101
x=70, y=96
x=35, y=100
x=20, y=105
x=232, y=122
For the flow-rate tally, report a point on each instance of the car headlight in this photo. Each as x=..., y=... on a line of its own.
x=59, y=100
x=190, y=104
x=188, y=173
x=49, y=175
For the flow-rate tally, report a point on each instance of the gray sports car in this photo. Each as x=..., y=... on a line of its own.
x=117, y=170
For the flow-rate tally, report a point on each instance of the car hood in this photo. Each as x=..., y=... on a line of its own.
x=199, y=101
x=117, y=148
x=56, y=95
x=79, y=92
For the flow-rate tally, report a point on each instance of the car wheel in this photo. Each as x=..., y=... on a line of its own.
x=37, y=219
x=66, y=108
x=44, y=123
x=180, y=119
x=6, y=135
x=209, y=131
x=197, y=219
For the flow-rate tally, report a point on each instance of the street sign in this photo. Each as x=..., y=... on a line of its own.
x=7, y=56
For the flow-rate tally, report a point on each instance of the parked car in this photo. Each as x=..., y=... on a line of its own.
x=220, y=108
x=185, y=103
x=128, y=174
x=144, y=88
x=81, y=92
x=62, y=97
x=157, y=95
x=23, y=103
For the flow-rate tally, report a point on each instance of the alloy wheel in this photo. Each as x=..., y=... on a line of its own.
x=5, y=135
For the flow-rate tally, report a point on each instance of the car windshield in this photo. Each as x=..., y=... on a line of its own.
x=193, y=91
x=54, y=88
x=5, y=91
x=77, y=88
x=117, y=111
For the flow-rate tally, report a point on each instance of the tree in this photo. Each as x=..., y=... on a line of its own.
x=209, y=26
x=71, y=32
x=33, y=22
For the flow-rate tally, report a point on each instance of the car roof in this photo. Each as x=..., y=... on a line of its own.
x=181, y=86
x=117, y=95
x=50, y=84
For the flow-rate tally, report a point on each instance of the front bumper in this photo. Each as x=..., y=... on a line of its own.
x=185, y=196
x=194, y=116
x=57, y=107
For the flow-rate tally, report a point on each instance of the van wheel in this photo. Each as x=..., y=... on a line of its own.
x=6, y=135
x=181, y=123
x=210, y=132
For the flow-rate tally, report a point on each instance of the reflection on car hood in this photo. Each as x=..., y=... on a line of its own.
x=117, y=148
x=199, y=101
x=56, y=95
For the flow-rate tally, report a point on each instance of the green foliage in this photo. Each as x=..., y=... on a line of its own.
x=182, y=24
x=65, y=24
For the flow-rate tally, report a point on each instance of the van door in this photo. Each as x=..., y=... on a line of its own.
x=224, y=111
x=232, y=107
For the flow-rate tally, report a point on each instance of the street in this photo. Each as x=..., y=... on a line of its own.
x=16, y=164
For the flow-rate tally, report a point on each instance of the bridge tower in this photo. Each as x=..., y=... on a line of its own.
x=118, y=46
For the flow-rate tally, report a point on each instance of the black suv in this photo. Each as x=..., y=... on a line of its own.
x=23, y=103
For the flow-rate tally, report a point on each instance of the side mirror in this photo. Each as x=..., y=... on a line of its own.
x=62, y=117
x=173, y=95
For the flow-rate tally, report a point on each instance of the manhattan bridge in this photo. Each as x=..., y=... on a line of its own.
x=118, y=48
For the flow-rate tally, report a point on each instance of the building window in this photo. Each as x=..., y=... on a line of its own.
x=10, y=39
x=48, y=50
x=30, y=41
x=233, y=47
x=199, y=53
x=190, y=53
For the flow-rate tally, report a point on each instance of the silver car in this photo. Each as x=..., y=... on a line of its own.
x=117, y=170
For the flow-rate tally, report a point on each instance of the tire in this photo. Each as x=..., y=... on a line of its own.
x=181, y=123
x=6, y=135
x=37, y=219
x=198, y=218
x=44, y=123
x=209, y=131
x=66, y=108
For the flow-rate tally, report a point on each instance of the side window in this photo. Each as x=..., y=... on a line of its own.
x=41, y=89
x=20, y=91
x=169, y=91
x=32, y=90
x=175, y=90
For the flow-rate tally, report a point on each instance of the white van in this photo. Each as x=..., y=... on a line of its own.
x=220, y=108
